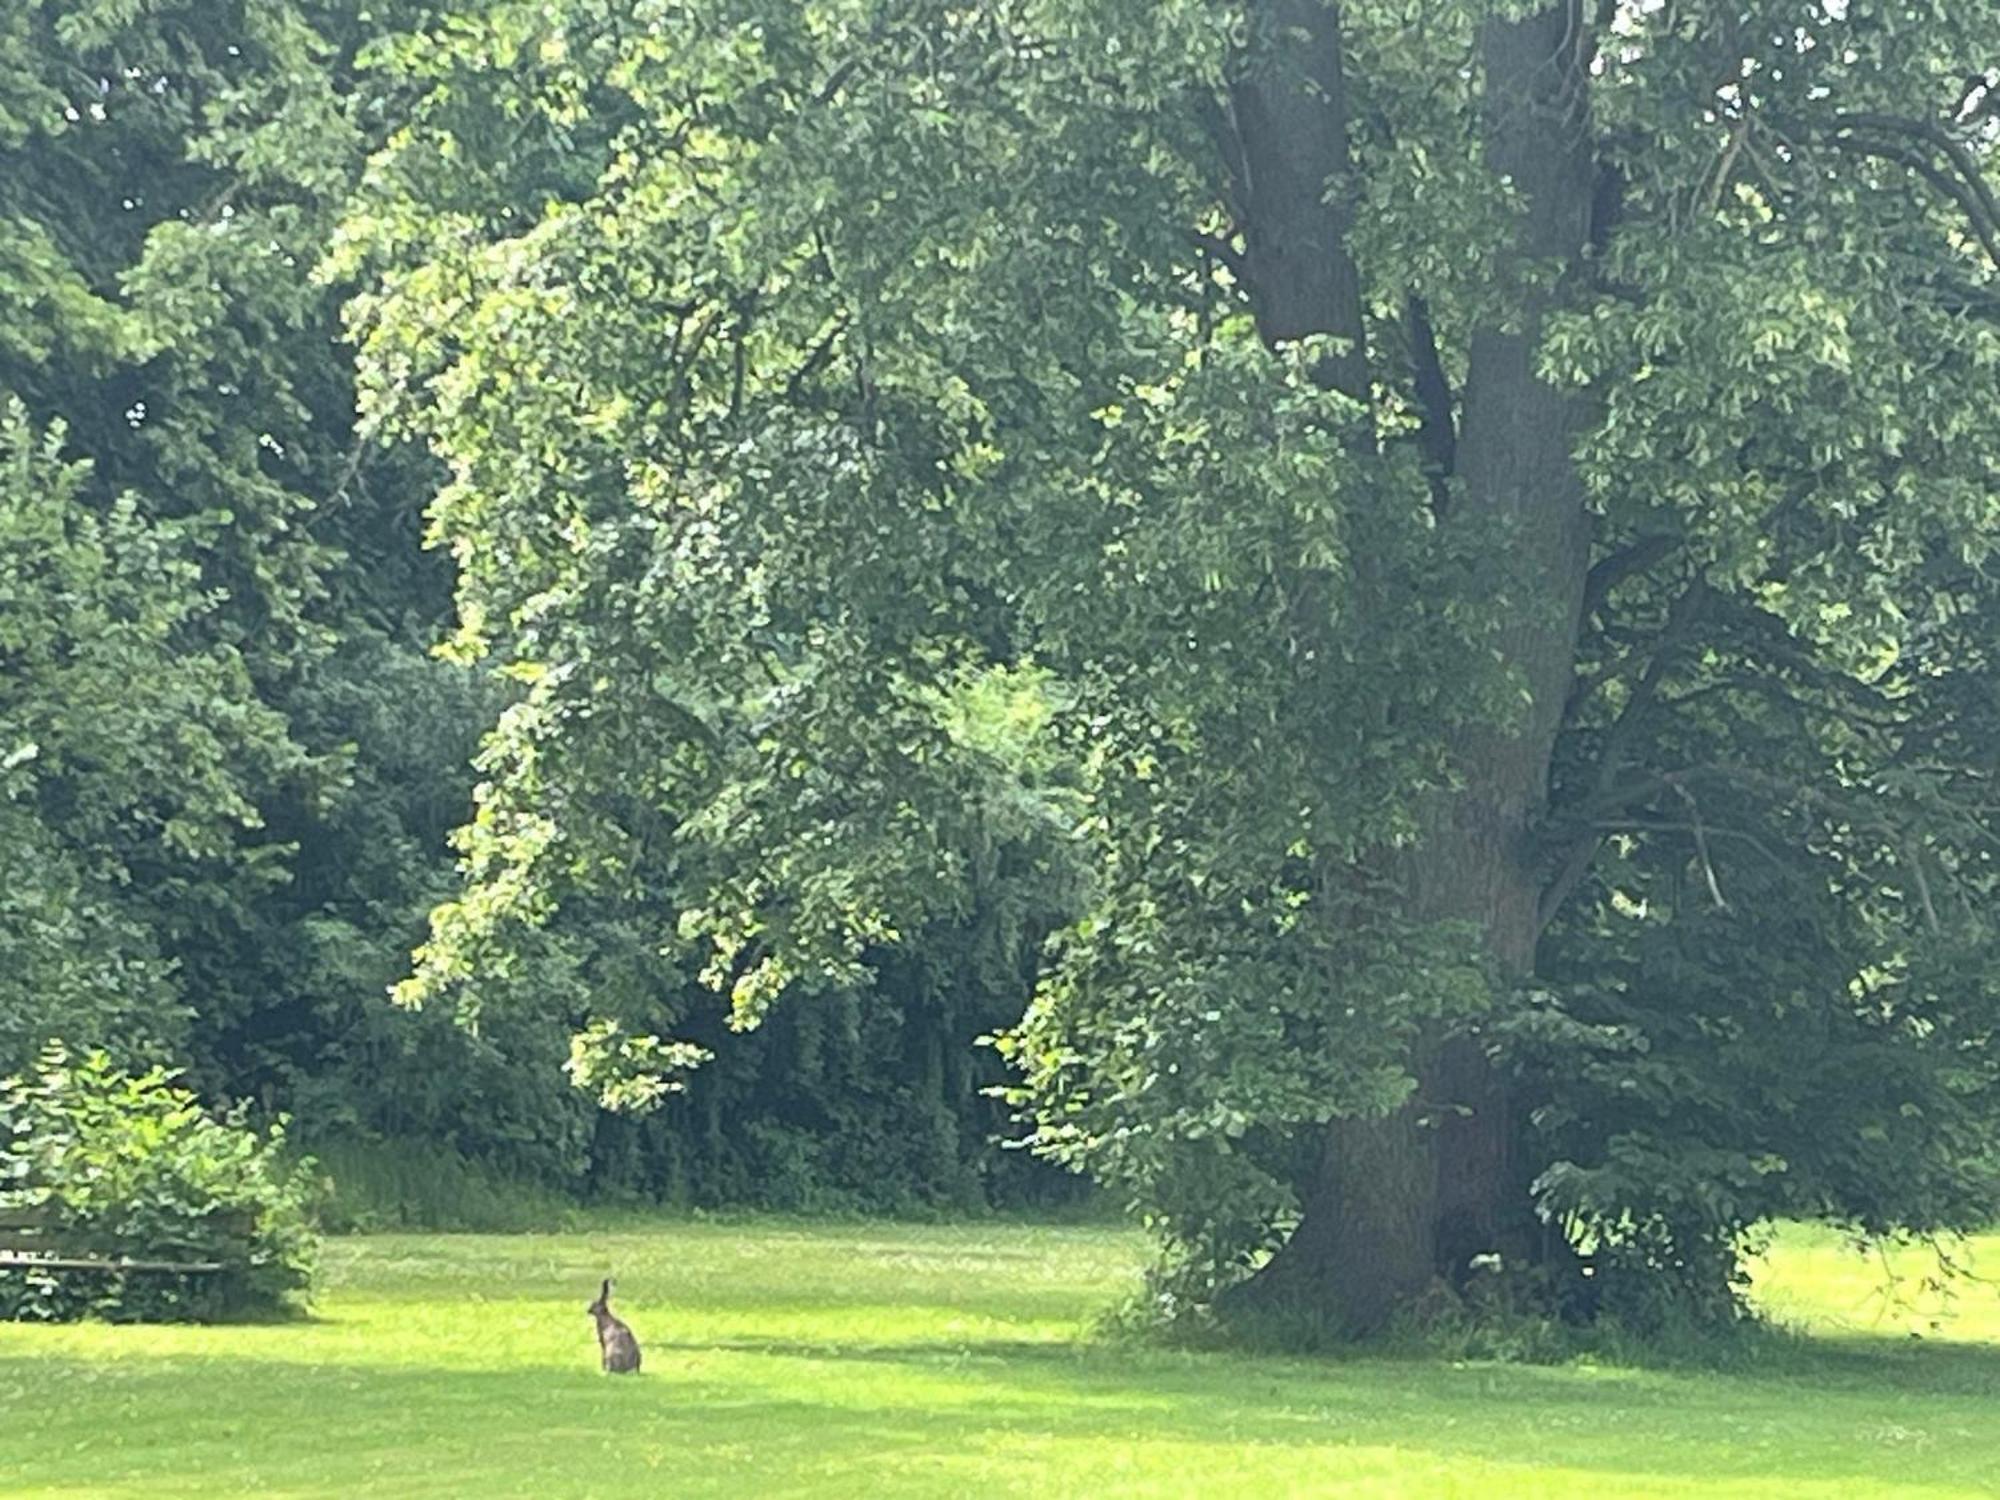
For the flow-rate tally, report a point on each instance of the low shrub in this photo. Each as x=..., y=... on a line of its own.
x=129, y=1165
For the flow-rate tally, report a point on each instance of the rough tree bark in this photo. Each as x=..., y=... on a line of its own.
x=1291, y=160
x=1399, y=1201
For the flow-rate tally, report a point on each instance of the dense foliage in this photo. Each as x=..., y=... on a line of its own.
x=116, y=754
x=228, y=759
x=131, y=1166
x=174, y=408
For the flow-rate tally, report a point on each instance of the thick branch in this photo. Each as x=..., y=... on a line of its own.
x=1966, y=187
x=1290, y=161
x=1776, y=692
x=1582, y=852
x=1437, y=432
x=1514, y=463
x=1935, y=135
x=1613, y=570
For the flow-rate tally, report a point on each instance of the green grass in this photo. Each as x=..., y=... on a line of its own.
x=787, y=1359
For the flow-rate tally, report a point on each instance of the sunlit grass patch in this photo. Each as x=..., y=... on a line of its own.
x=862, y=1360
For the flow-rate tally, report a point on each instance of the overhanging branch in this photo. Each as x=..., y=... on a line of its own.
x=1609, y=572
x=1916, y=144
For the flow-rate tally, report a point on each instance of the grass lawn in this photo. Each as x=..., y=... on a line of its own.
x=786, y=1359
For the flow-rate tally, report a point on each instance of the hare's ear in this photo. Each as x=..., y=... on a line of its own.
x=604, y=1293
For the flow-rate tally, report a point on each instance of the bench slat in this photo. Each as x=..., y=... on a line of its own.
x=35, y=1239
x=11, y=1261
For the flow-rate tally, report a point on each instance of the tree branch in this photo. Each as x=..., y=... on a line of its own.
x=1968, y=189
x=1935, y=135
x=1701, y=846
x=1657, y=825
x=1290, y=113
x=1437, y=433
x=1577, y=859
x=1913, y=856
x=739, y=358
x=835, y=81
x=1217, y=247
x=1719, y=183
x=816, y=357
x=1610, y=571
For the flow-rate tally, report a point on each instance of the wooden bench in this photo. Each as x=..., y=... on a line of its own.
x=34, y=1240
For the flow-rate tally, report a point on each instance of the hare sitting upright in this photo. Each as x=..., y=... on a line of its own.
x=620, y=1349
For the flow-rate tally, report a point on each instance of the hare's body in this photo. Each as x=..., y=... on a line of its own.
x=614, y=1340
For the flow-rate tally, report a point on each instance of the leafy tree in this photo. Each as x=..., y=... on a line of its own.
x=157, y=362
x=231, y=762
x=216, y=603
x=1473, y=504
x=129, y=741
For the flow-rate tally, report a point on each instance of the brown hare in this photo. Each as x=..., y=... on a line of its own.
x=614, y=1339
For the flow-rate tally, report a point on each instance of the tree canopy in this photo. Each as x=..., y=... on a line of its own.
x=1455, y=535
x=228, y=760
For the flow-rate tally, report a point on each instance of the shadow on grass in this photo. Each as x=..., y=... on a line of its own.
x=1932, y=1367
x=1855, y=1417
x=1858, y=1362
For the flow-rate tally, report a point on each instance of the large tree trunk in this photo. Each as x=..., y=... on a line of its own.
x=1401, y=1201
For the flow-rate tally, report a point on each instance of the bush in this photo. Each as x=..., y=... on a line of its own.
x=130, y=1165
